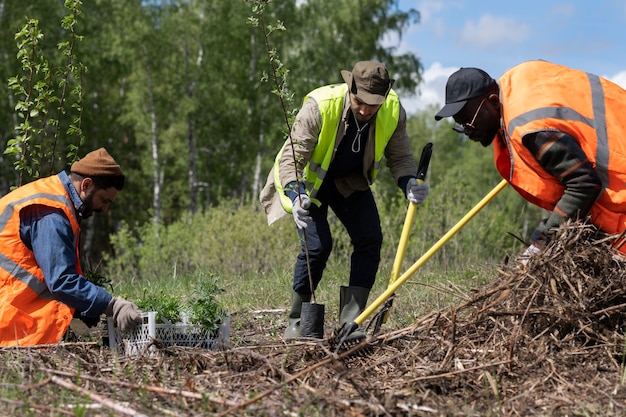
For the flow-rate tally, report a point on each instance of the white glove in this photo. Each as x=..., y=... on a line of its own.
x=300, y=211
x=530, y=251
x=416, y=193
x=126, y=314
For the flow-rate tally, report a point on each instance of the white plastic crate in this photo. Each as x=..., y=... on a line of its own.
x=135, y=341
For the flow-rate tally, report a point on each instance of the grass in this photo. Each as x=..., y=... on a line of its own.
x=424, y=291
x=255, y=270
x=253, y=262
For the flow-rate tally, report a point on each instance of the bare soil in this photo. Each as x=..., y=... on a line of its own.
x=545, y=339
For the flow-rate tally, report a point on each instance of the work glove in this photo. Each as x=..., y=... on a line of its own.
x=530, y=251
x=300, y=211
x=126, y=314
x=416, y=192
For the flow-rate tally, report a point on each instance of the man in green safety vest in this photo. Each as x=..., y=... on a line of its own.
x=333, y=155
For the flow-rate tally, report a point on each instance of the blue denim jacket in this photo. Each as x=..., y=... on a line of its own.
x=48, y=233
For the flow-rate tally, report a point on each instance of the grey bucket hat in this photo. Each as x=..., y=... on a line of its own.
x=369, y=81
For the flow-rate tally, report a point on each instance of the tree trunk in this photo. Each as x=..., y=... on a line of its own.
x=157, y=173
x=191, y=137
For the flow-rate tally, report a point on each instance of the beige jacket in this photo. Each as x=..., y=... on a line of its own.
x=304, y=135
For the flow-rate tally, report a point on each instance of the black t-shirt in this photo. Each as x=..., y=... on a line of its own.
x=349, y=155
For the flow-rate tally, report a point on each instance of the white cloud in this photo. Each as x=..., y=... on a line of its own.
x=619, y=79
x=433, y=15
x=493, y=30
x=429, y=8
x=432, y=90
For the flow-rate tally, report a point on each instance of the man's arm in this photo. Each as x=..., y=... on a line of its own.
x=48, y=233
x=400, y=159
x=561, y=156
x=304, y=135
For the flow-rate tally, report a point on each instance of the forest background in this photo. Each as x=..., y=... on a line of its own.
x=193, y=99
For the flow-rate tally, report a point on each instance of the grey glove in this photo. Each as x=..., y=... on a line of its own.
x=300, y=211
x=416, y=192
x=528, y=253
x=125, y=313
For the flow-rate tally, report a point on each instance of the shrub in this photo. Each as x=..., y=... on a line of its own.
x=167, y=306
x=204, y=308
x=200, y=302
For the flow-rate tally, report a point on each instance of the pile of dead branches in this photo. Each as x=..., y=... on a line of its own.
x=575, y=289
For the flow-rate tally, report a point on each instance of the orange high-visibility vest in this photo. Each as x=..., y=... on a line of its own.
x=538, y=95
x=29, y=313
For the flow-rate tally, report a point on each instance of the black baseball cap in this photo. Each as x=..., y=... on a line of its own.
x=463, y=85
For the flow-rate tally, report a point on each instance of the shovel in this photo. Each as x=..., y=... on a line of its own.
x=348, y=328
x=422, y=168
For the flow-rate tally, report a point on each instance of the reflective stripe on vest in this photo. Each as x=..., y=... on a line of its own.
x=537, y=96
x=330, y=102
x=25, y=277
x=9, y=265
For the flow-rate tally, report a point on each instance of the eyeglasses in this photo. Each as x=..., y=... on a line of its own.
x=468, y=128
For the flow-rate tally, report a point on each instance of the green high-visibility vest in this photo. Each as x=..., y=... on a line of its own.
x=330, y=101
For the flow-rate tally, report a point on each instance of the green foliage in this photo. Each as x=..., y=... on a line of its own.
x=98, y=279
x=49, y=97
x=167, y=306
x=200, y=302
x=204, y=308
x=279, y=72
x=278, y=75
x=326, y=36
x=231, y=239
x=255, y=261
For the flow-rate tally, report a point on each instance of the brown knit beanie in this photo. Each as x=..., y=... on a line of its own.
x=97, y=163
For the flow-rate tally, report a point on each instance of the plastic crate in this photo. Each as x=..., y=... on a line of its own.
x=135, y=341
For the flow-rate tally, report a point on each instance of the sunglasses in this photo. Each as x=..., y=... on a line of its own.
x=468, y=128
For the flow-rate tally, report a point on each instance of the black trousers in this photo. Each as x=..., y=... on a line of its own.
x=359, y=215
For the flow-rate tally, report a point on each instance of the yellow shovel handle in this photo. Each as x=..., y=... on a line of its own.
x=404, y=238
x=444, y=239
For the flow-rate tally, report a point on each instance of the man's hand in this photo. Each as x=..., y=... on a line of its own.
x=530, y=251
x=300, y=211
x=126, y=314
x=415, y=192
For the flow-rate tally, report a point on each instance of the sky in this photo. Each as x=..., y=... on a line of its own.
x=495, y=35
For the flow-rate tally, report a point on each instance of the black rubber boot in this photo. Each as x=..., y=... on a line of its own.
x=352, y=302
x=293, y=328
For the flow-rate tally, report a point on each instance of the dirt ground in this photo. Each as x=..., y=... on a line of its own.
x=545, y=339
